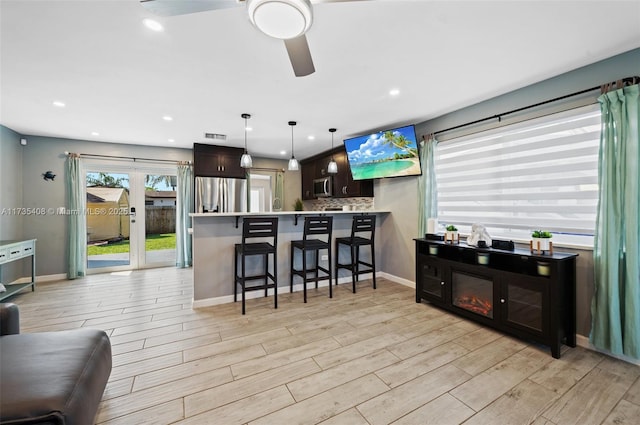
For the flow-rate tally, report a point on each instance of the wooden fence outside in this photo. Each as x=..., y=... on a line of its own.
x=160, y=219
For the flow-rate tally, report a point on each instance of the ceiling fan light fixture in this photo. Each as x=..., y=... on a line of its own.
x=283, y=19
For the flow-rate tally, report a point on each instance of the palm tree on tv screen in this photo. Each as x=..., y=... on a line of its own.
x=398, y=140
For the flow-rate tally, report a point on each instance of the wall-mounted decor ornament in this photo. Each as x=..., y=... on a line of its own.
x=48, y=176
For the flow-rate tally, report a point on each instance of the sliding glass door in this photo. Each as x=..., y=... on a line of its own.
x=108, y=212
x=131, y=216
x=159, y=248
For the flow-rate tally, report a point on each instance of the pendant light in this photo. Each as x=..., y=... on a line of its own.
x=293, y=162
x=332, y=168
x=246, y=161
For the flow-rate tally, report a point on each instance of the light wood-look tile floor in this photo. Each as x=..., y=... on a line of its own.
x=375, y=357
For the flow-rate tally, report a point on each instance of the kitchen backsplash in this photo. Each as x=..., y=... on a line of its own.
x=322, y=204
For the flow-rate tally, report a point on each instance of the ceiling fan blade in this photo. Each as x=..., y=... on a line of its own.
x=183, y=7
x=300, y=56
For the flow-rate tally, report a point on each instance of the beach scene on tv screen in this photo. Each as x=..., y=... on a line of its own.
x=390, y=153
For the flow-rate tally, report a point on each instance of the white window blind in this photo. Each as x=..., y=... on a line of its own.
x=538, y=174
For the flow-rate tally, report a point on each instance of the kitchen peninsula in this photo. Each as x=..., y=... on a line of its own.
x=215, y=234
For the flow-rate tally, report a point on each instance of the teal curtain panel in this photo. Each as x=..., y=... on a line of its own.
x=77, y=231
x=427, y=187
x=615, y=306
x=184, y=206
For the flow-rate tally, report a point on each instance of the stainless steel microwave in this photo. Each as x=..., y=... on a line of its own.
x=323, y=187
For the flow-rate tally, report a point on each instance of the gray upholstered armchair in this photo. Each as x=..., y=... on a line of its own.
x=50, y=377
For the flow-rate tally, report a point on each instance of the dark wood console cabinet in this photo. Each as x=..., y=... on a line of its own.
x=507, y=293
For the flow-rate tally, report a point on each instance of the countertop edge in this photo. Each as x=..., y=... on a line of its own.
x=285, y=213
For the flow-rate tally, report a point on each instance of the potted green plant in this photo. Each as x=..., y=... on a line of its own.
x=452, y=233
x=541, y=240
x=298, y=205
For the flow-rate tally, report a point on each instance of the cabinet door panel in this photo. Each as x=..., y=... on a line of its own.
x=206, y=165
x=524, y=304
x=230, y=165
x=431, y=277
x=308, y=174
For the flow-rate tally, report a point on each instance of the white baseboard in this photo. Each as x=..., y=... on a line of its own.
x=396, y=279
x=208, y=302
x=583, y=341
x=43, y=278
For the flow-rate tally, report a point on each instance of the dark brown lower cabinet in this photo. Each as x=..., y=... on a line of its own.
x=531, y=296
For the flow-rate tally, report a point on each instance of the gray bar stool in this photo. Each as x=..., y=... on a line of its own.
x=363, y=230
x=263, y=228
x=314, y=228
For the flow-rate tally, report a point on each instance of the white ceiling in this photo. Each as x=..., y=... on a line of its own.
x=119, y=78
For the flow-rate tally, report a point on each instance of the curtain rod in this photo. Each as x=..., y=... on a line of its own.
x=628, y=80
x=134, y=159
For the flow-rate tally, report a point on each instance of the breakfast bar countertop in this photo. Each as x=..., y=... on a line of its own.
x=277, y=213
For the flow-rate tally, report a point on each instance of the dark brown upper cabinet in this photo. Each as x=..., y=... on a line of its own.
x=343, y=184
x=217, y=161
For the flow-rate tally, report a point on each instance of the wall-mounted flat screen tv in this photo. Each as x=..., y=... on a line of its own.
x=389, y=153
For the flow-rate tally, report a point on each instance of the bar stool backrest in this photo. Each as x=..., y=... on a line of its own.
x=317, y=226
x=363, y=224
x=260, y=227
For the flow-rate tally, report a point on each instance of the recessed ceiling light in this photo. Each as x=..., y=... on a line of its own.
x=283, y=152
x=171, y=140
x=312, y=137
x=153, y=25
x=167, y=118
x=394, y=92
x=95, y=133
x=59, y=104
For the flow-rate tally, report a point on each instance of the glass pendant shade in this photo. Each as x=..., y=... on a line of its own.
x=332, y=167
x=245, y=160
x=293, y=162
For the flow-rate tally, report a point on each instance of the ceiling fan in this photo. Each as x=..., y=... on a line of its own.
x=287, y=20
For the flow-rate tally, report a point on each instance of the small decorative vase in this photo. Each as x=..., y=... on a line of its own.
x=451, y=235
x=541, y=244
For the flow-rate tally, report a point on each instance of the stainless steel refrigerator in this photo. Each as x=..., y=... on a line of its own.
x=218, y=194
